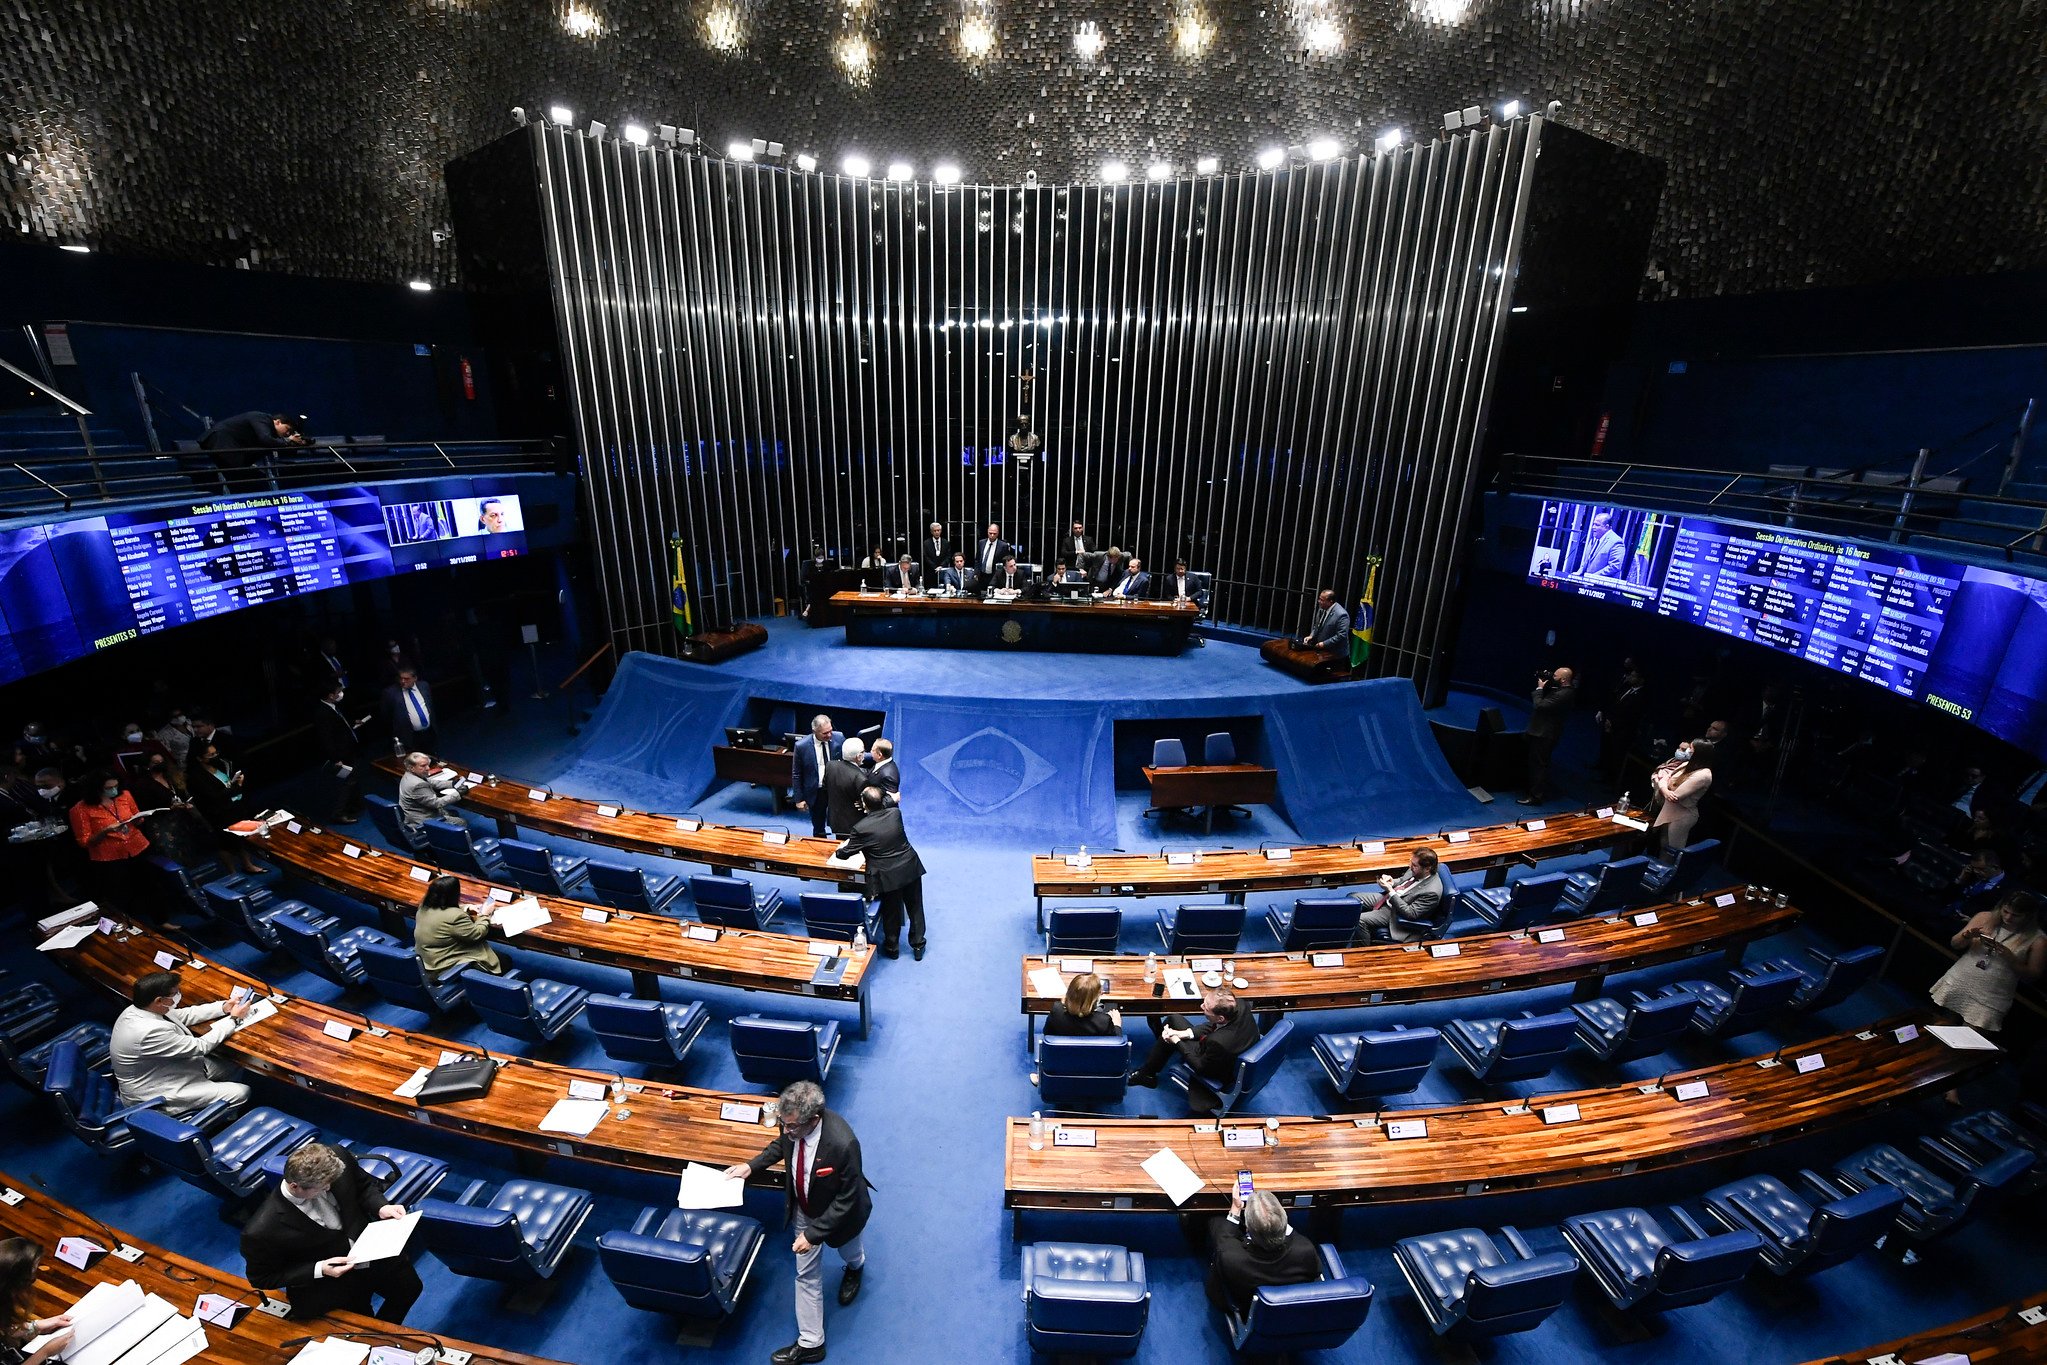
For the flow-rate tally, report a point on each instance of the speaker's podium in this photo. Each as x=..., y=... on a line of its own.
x=1309, y=665
x=716, y=646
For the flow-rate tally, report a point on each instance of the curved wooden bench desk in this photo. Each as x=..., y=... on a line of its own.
x=1999, y=1337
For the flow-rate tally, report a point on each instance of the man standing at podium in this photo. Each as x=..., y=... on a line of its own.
x=1331, y=631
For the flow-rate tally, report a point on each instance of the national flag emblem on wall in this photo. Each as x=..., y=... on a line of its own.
x=678, y=588
x=1361, y=629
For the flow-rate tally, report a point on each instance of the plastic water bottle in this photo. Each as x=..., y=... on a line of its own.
x=1151, y=968
x=859, y=937
x=1037, y=1131
x=1083, y=859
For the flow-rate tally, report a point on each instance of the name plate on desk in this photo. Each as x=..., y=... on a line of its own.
x=474, y=779
x=350, y=851
x=821, y=949
x=1724, y=900
x=1240, y=1139
x=1182, y=859
x=689, y=826
x=1327, y=959
x=773, y=837
x=734, y=1112
x=337, y=1030
x=1811, y=1061
x=1644, y=920
x=536, y=794
x=1457, y=836
x=1078, y=861
x=1905, y=1033
x=1560, y=1113
x=608, y=812
x=294, y=826
x=703, y=933
x=420, y=874
x=1549, y=936
x=1604, y=812
x=1444, y=950
x=165, y=961
x=1073, y=1137
x=1279, y=855
x=1372, y=847
x=1407, y=1128
x=1074, y=966
x=76, y=1251
x=1690, y=1090
x=501, y=895
x=597, y=916
x=1535, y=826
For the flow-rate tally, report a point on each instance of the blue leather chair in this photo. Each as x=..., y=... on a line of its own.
x=1976, y=1138
x=185, y=886
x=384, y=815
x=631, y=888
x=1318, y=1315
x=1218, y=749
x=1499, y=1050
x=1313, y=922
x=1528, y=901
x=1933, y=1207
x=1468, y=1288
x=1365, y=1066
x=28, y=1061
x=227, y=1163
x=836, y=914
x=657, y=1032
x=693, y=1262
x=1206, y=930
x=408, y=1177
x=28, y=1010
x=733, y=903
x=458, y=850
x=1608, y=889
x=1259, y=1063
x=539, y=870
x=326, y=953
x=246, y=911
x=87, y=1099
x=1617, y=1031
x=395, y=974
x=1083, y=1070
x=1168, y=753
x=536, y=1010
x=778, y=1051
x=1679, y=871
x=1799, y=1238
x=1083, y=931
x=522, y=1234
x=1081, y=1299
x=1826, y=979
x=1638, y=1265
x=1747, y=999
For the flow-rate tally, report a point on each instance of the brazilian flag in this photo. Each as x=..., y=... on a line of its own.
x=678, y=589
x=1361, y=629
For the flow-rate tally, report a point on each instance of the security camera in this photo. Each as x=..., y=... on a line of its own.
x=518, y=117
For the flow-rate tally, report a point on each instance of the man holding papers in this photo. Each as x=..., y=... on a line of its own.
x=302, y=1238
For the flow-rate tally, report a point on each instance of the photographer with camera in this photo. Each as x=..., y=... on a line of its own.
x=1556, y=691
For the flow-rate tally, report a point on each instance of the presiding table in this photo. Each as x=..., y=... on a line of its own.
x=1583, y=951
x=648, y=946
x=1111, y=626
x=1209, y=785
x=1330, y=1161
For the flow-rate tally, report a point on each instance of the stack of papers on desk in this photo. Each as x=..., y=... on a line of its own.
x=258, y=1012
x=69, y=937
x=1172, y=1175
x=333, y=1351
x=118, y=1324
x=1047, y=981
x=708, y=1187
x=575, y=1117
x=516, y=918
x=84, y=910
x=1961, y=1036
x=1181, y=985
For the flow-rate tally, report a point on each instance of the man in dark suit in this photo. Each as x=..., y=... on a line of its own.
x=299, y=1236
x=1225, y=1033
x=885, y=774
x=341, y=746
x=825, y=1194
x=1135, y=582
x=1076, y=549
x=810, y=576
x=1255, y=1246
x=959, y=577
x=1011, y=577
x=1177, y=586
x=844, y=776
x=993, y=549
x=1554, y=695
x=1108, y=570
x=409, y=712
x=933, y=552
x=235, y=443
x=895, y=874
x=814, y=753
x=904, y=576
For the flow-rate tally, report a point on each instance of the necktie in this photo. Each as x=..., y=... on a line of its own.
x=802, y=1179
x=323, y=1211
x=988, y=558
x=418, y=707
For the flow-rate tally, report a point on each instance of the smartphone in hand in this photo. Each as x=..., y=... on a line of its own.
x=1243, y=1184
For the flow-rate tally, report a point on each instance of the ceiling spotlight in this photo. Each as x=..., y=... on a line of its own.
x=739, y=150
x=945, y=173
x=900, y=170
x=856, y=55
x=1442, y=11
x=1323, y=34
x=1192, y=34
x=805, y=161
x=1208, y=165
x=580, y=21
x=1270, y=158
x=1087, y=39
x=1159, y=170
x=636, y=135
x=1387, y=140
x=1114, y=172
x=561, y=114
x=1323, y=149
x=857, y=166
x=1510, y=111
x=977, y=36
x=416, y=286
x=597, y=129
x=79, y=247
x=721, y=28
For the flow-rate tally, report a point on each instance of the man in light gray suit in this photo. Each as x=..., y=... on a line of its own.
x=1331, y=630
x=157, y=1055
x=1417, y=896
x=1604, y=551
x=422, y=797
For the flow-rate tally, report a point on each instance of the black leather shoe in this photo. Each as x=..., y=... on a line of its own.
x=1148, y=1082
x=849, y=1284
x=794, y=1354
x=916, y=952
x=890, y=950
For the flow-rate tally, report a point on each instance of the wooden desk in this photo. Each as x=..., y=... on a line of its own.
x=760, y=767
x=1309, y=866
x=669, y=1127
x=1485, y=964
x=1112, y=626
x=723, y=848
x=1309, y=665
x=648, y=946
x=255, y=1339
x=1328, y=1162
x=1998, y=1337
x=1212, y=785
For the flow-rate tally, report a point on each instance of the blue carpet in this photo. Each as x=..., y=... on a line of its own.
x=929, y=1090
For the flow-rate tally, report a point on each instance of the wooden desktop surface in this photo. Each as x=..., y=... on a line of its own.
x=1395, y=973
x=669, y=1125
x=1998, y=1337
x=963, y=606
x=728, y=848
x=1329, y=1161
x=744, y=958
x=1320, y=865
x=255, y=1339
x=1213, y=784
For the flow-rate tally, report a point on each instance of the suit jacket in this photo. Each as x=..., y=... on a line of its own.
x=1237, y=1270
x=398, y=715
x=281, y=1244
x=965, y=580
x=891, y=863
x=803, y=766
x=1330, y=626
x=1079, y=554
x=339, y=742
x=1680, y=807
x=1002, y=578
x=887, y=776
x=893, y=578
x=1168, y=587
x=1547, y=709
x=1132, y=585
x=1214, y=1048
x=842, y=784
x=978, y=559
x=1419, y=899
x=1604, y=556
x=448, y=939
x=421, y=798
x=1059, y=1023
x=933, y=556
x=1107, y=572
x=839, y=1202
x=160, y=1056
x=243, y=431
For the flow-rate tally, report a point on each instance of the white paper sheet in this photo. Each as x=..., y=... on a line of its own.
x=100, y=1308
x=706, y=1187
x=411, y=1088
x=1172, y=1175
x=67, y=938
x=515, y=919
x=1047, y=982
x=575, y=1117
x=383, y=1238
x=1961, y=1036
x=258, y=1012
x=123, y=1336
x=331, y=1351
x=49, y=924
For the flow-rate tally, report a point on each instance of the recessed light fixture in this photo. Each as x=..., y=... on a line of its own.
x=1159, y=170
x=1270, y=158
x=1323, y=34
x=1208, y=165
x=636, y=135
x=1114, y=172
x=560, y=114
x=419, y=286
x=945, y=173
x=805, y=161
x=1511, y=110
x=79, y=247
x=857, y=166
x=1087, y=39
x=722, y=29
x=739, y=149
x=856, y=55
x=977, y=36
x=900, y=170
x=1323, y=149
x=580, y=21
x=1387, y=140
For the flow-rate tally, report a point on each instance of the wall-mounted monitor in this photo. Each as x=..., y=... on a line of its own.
x=1967, y=640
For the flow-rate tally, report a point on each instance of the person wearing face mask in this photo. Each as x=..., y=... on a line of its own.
x=37, y=744
x=158, y=1055
x=341, y=745
x=136, y=747
x=216, y=788
x=811, y=577
x=176, y=737
x=1680, y=784
x=106, y=822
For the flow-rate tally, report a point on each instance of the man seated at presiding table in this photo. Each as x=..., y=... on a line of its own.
x=1062, y=572
x=1418, y=895
x=299, y=1237
x=423, y=796
x=904, y=576
x=1080, y=1014
x=1226, y=1032
x=157, y=1055
x=449, y=935
x=959, y=577
x=1254, y=1246
x=1135, y=582
x=1011, y=577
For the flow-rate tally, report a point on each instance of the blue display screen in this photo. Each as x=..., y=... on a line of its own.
x=1967, y=640
x=71, y=589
